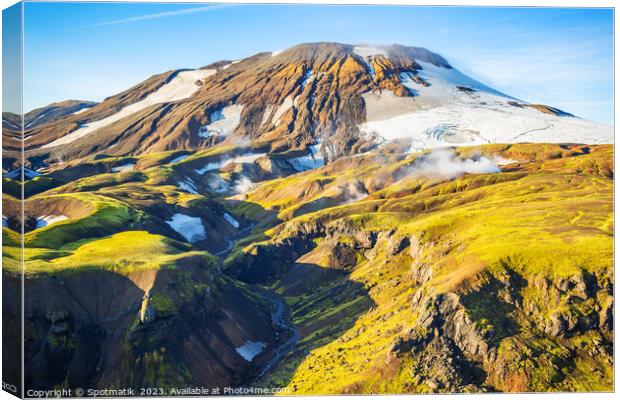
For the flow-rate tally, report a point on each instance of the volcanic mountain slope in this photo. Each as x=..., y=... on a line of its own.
x=12, y=125
x=349, y=98
x=272, y=221
x=11, y=141
x=11, y=121
x=53, y=111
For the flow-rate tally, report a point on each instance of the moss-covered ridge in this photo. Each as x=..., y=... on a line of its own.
x=503, y=281
x=137, y=310
x=396, y=281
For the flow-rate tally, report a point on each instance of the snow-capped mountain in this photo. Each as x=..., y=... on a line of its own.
x=447, y=107
x=348, y=98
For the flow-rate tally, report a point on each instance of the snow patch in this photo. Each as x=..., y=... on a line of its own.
x=442, y=115
x=444, y=82
x=247, y=158
x=369, y=51
x=232, y=63
x=250, y=349
x=35, y=120
x=275, y=53
x=231, y=220
x=308, y=76
x=223, y=122
x=182, y=86
x=177, y=159
x=310, y=161
x=286, y=105
x=212, y=166
x=81, y=110
x=457, y=124
x=188, y=185
x=267, y=113
x=217, y=165
x=123, y=168
x=191, y=228
x=380, y=106
x=48, y=220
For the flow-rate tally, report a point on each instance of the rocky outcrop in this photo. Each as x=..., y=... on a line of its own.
x=152, y=328
x=471, y=325
x=263, y=263
x=440, y=366
x=342, y=257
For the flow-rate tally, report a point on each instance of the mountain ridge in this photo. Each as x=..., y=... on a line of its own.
x=274, y=106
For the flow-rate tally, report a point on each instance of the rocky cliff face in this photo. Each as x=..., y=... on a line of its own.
x=481, y=326
x=156, y=328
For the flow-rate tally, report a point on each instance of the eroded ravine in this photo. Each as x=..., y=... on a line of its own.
x=231, y=240
x=286, y=333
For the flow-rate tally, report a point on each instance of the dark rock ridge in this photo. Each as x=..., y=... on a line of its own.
x=155, y=328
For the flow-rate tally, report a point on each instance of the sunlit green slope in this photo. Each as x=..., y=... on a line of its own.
x=499, y=281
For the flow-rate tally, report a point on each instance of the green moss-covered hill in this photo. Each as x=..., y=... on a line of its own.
x=384, y=272
x=487, y=282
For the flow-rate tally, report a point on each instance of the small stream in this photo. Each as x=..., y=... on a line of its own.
x=230, y=241
x=279, y=317
x=285, y=328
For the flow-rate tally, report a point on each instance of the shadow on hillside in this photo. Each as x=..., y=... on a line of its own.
x=322, y=303
x=74, y=324
x=487, y=306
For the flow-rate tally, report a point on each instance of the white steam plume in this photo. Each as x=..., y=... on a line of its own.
x=444, y=163
x=243, y=185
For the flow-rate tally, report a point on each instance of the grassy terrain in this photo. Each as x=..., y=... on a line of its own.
x=122, y=253
x=549, y=218
x=502, y=244
x=106, y=216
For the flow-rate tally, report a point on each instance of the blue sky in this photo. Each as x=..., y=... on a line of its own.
x=11, y=58
x=560, y=57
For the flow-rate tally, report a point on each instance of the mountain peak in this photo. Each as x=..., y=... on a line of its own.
x=400, y=54
x=351, y=98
